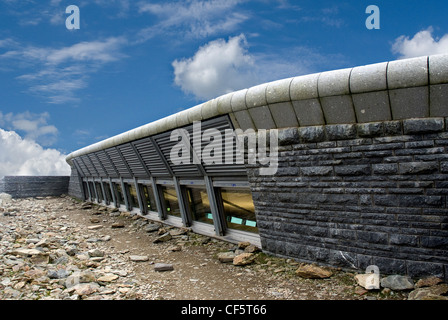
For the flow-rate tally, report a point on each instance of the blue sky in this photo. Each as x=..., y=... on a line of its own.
x=133, y=62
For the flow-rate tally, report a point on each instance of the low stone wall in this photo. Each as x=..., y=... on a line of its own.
x=355, y=195
x=31, y=186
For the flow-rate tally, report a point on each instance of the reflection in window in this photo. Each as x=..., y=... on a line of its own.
x=150, y=200
x=199, y=204
x=239, y=210
x=92, y=191
x=108, y=194
x=171, y=202
x=99, y=192
x=119, y=193
x=133, y=196
x=86, y=191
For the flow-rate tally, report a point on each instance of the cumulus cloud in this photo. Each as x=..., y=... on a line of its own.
x=25, y=157
x=33, y=126
x=423, y=43
x=223, y=66
x=218, y=67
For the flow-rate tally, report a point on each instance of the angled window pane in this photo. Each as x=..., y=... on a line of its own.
x=239, y=210
x=171, y=201
x=199, y=204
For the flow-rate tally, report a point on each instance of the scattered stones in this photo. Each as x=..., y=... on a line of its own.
x=244, y=259
x=226, y=257
x=163, y=267
x=138, y=258
x=117, y=225
x=174, y=248
x=428, y=282
x=107, y=278
x=397, y=283
x=367, y=281
x=311, y=271
x=436, y=292
x=152, y=227
x=163, y=238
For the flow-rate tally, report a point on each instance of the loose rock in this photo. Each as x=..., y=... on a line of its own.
x=311, y=271
x=397, y=283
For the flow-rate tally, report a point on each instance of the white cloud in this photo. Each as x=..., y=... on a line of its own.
x=25, y=157
x=193, y=18
x=58, y=74
x=223, y=66
x=34, y=126
x=422, y=44
x=216, y=68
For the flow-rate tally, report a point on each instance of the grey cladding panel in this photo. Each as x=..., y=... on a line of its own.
x=118, y=162
x=99, y=168
x=133, y=161
x=107, y=164
x=151, y=158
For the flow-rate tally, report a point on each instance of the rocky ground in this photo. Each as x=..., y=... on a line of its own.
x=63, y=249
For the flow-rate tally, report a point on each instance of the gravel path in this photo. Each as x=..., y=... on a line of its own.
x=58, y=248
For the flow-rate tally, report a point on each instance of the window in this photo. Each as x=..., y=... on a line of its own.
x=238, y=208
x=92, y=191
x=169, y=196
x=119, y=193
x=86, y=191
x=99, y=192
x=149, y=199
x=133, y=196
x=199, y=204
x=108, y=194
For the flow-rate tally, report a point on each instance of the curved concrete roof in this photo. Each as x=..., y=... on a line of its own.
x=401, y=89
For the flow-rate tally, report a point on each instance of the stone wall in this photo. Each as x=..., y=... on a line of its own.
x=31, y=186
x=354, y=195
x=74, y=187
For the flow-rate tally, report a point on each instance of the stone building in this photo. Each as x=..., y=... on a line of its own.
x=358, y=159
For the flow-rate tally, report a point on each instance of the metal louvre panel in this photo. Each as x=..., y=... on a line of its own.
x=133, y=161
x=118, y=162
x=111, y=172
x=90, y=165
x=151, y=158
x=181, y=170
x=221, y=124
x=97, y=165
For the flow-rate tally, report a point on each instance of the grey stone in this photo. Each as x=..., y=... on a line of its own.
x=409, y=103
x=256, y=96
x=352, y=170
x=136, y=258
x=437, y=292
x=416, y=126
x=163, y=238
x=372, y=106
x=338, y=109
x=334, y=83
x=288, y=136
x=341, y=131
x=407, y=73
x=438, y=69
x=152, y=227
x=418, y=167
x=372, y=129
x=163, y=267
x=312, y=134
x=316, y=171
x=397, y=283
x=244, y=120
x=309, y=112
x=224, y=103
x=304, y=87
x=278, y=91
x=226, y=257
x=262, y=118
x=369, y=78
x=438, y=100
x=238, y=101
x=283, y=114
